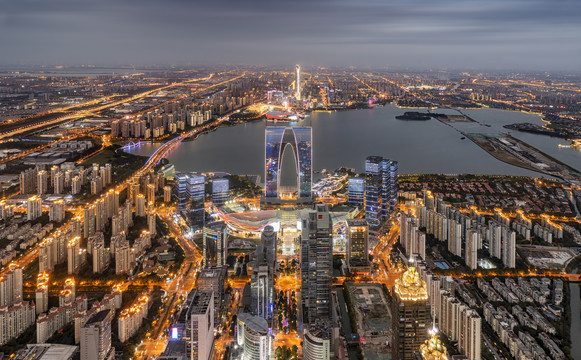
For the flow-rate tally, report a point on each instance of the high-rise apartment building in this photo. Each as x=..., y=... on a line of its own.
x=11, y=286
x=167, y=194
x=123, y=258
x=34, y=208
x=42, y=182
x=75, y=256
x=28, y=180
x=58, y=183
x=140, y=205
x=96, y=337
x=89, y=221
x=56, y=211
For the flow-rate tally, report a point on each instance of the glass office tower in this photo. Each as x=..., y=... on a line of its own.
x=276, y=140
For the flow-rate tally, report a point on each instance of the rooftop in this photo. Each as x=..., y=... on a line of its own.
x=409, y=287
x=46, y=352
x=200, y=302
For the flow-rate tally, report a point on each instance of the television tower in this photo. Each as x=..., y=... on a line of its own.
x=298, y=82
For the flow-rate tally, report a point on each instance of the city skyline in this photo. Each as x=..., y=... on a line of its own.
x=494, y=35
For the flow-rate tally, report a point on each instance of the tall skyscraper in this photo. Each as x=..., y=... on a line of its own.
x=380, y=190
x=189, y=195
x=410, y=314
x=196, y=195
x=358, y=246
x=180, y=193
x=268, y=240
x=220, y=191
x=298, y=82
x=96, y=337
x=356, y=191
x=212, y=279
x=374, y=191
x=215, y=244
x=433, y=349
x=262, y=290
x=199, y=335
x=276, y=141
x=316, y=264
x=253, y=336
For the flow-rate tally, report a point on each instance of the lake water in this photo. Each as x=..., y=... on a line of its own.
x=346, y=138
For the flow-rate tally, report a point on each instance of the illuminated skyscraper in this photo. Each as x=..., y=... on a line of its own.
x=220, y=191
x=356, y=191
x=189, y=194
x=199, y=334
x=316, y=264
x=380, y=189
x=358, y=246
x=433, y=349
x=196, y=194
x=215, y=244
x=298, y=82
x=300, y=141
x=180, y=195
x=410, y=314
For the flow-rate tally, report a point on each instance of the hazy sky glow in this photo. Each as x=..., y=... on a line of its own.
x=416, y=34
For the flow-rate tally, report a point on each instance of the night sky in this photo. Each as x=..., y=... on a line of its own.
x=406, y=34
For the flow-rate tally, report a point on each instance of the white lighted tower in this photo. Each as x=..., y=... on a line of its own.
x=298, y=83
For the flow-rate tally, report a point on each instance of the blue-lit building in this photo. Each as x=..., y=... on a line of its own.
x=189, y=195
x=220, y=191
x=196, y=195
x=276, y=141
x=356, y=191
x=380, y=189
x=180, y=192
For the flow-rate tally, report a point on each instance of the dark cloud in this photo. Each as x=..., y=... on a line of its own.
x=487, y=34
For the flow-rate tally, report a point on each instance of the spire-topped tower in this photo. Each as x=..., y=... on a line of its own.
x=298, y=82
x=433, y=349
